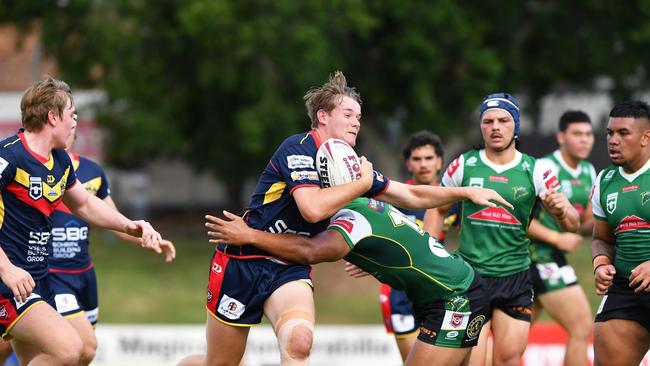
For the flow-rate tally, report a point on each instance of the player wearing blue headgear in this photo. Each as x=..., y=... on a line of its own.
x=494, y=239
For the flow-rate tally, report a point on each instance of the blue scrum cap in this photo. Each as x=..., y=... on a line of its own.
x=503, y=101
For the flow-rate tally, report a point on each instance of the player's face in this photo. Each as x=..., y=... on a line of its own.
x=64, y=129
x=424, y=165
x=343, y=122
x=577, y=140
x=627, y=138
x=497, y=128
x=73, y=137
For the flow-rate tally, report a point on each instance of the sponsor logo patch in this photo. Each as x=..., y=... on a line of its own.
x=612, y=198
x=230, y=308
x=35, y=188
x=4, y=314
x=645, y=197
x=305, y=175
x=496, y=178
x=631, y=188
x=474, y=327
x=471, y=161
x=630, y=223
x=609, y=175
x=476, y=182
x=344, y=224
x=300, y=162
x=453, y=167
x=519, y=192
x=495, y=214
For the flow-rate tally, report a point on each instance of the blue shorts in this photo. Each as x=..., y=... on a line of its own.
x=238, y=288
x=75, y=292
x=11, y=310
x=397, y=311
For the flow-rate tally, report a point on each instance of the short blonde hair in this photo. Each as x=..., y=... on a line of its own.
x=41, y=98
x=328, y=96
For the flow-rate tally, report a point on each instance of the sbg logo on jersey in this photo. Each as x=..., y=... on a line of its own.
x=612, y=198
x=476, y=182
x=35, y=188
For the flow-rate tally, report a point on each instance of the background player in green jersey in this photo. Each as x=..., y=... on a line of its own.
x=554, y=280
x=621, y=239
x=494, y=240
x=449, y=298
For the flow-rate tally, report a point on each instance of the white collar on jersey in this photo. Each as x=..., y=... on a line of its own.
x=500, y=168
x=635, y=175
x=574, y=172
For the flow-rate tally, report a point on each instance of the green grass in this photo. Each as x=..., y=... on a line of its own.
x=136, y=286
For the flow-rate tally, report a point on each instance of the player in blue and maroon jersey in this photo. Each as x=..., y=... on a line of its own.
x=72, y=272
x=35, y=174
x=246, y=282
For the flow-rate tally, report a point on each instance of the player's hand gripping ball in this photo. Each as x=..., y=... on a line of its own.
x=337, y=163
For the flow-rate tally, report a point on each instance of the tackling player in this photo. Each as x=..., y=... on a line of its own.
x=423, y=157
x=621, y=239
x=36, y=175
x=494, y=239
x=247, y=282
x=554, y=280
x=449, y=298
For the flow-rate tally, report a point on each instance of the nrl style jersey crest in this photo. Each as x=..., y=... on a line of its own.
x=32, y=187
x=623, y=200
x=576, y=185
x=69, y=242
x=272, y=207
x=494, y=240
x=394, y=249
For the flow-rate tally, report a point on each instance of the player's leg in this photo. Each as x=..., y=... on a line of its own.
x=76, y=300
x=86, y=332
x=424, y=354
x=397, y=313
x=510, y=338
x=226, y=343
x=291, y=311
x=5, y=351
x=42, y=337
x=620, y=342
x=569, y=307
x=481, y=354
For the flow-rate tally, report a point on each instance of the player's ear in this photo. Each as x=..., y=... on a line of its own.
x=645, y=138
x=322, y=115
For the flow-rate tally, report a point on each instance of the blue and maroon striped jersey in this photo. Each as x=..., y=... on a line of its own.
x=32, y=186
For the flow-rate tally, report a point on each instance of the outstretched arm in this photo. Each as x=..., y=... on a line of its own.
x=567, y=242
x=559, y=206
x=328, y=246
x=424, y=196
x=166, y=247
x=97, y=212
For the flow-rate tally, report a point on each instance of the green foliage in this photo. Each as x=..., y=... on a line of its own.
x=219, y=82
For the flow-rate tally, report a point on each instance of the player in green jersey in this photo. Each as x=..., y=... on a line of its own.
x=494, y=239
x=621, y=239
x=554, y=280
x=449, y=298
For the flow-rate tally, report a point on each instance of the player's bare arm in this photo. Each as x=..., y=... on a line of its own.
x=559, y=206
x=423, y=196
x=602, y=252
x=587, y=221
x=567, y=242
x=97, y=212
x=318, y=204
x=165, y=248
x=328, y=246
x=17, y=279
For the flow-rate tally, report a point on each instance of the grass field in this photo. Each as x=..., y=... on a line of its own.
x=136, y=286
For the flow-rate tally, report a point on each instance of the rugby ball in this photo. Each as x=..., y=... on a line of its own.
x=337, y=163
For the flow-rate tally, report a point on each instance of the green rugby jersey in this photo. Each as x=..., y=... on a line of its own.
x=391, y=247
x=494, y=240
x=623, y=200
x=576, y=185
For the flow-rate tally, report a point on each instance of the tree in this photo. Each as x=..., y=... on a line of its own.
x=220, y=82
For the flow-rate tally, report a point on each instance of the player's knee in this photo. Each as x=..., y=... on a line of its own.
x=581, y=328
x=88, y=353
x=295, y=334
x=300, y=342
x=69, y=354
